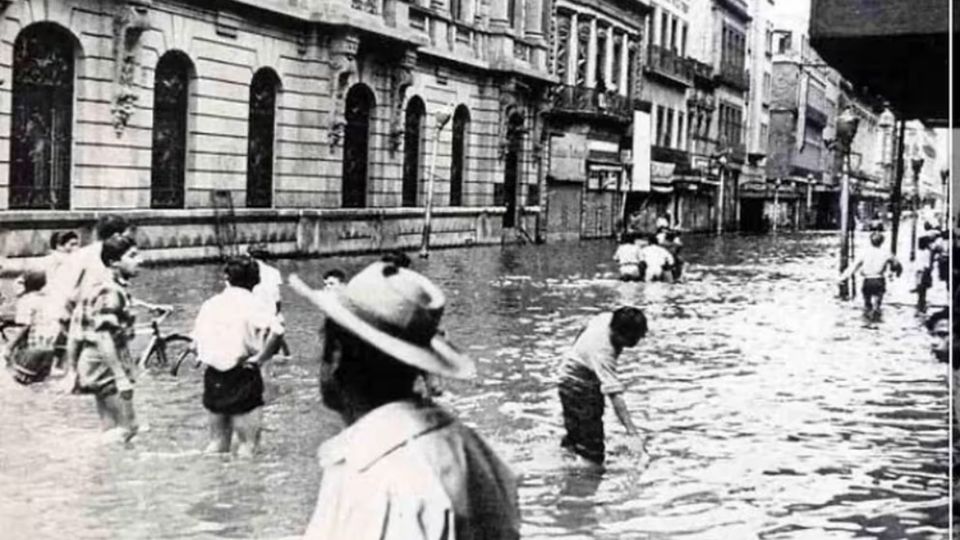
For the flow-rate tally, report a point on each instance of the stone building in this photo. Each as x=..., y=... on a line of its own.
x=676, y=189
x=757, y=195
x=803, y=111
x=598, y=54
x=307, y=124
x=722, y=28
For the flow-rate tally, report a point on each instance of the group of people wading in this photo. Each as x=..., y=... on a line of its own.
x=645, y=256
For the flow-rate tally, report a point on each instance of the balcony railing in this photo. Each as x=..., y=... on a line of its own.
x=590, y=101
x=734, y=76
x=815, y=116
x=669, y=63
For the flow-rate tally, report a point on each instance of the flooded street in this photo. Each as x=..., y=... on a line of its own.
x=771, y=409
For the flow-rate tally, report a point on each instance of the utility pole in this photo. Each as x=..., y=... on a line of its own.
x=847, y=125
x=917, y=163
x=776, y=204
x=442, y=119
x=897, y=188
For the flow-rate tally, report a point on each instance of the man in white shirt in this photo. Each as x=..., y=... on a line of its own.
x=404, y=468
x=234, y=334
x=658, y=260
x=268, y=290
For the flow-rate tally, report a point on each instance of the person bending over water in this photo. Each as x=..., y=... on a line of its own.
x=589, y=372
x=873, y=266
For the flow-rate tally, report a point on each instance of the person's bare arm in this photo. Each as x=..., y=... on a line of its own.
x=111, y=357
x=623, y=414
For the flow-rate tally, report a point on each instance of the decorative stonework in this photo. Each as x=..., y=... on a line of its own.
x=128, y=25
x=509, y=104
x=401, y=79
x=343, y=68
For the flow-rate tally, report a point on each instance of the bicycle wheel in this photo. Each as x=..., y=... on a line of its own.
x=180, y=351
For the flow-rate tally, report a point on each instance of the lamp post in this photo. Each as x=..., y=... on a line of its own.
x=722, y=160
x=847, y=124
x=916, y=163
x=442, y=118
x=945, y=193
x=776, y=204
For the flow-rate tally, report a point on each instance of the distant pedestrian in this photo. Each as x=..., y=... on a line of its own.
x=234, y=335
x=268, y=289
x=628, y=258
x=30, y=349
x=397, y=258
x=589, y=372
x=62, y=244
x=403, y=468
x=873, y=266
x=334, y=279
x=658, y=261
x=105, y=366
x=83, y=268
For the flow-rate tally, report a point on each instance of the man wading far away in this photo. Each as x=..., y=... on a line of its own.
x=403, y=468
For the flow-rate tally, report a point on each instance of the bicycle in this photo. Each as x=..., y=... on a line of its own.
x=168, y=350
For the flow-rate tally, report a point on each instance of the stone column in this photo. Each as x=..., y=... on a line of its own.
x=684, y=135
x=592, y=55
x=608, y=61
x=572, y=53
x=533, y=19
x=498, y=15
x=625, y=66
x=654, y=27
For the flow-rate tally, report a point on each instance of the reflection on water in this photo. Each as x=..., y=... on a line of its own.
x=771, y=410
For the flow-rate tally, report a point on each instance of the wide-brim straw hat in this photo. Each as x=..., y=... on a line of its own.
x=397, y=311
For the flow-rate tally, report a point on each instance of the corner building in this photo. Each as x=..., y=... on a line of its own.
x=306, y=124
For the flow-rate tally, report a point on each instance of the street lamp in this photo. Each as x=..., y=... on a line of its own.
x=847, y=124
x=917, y=164
x=722, y=161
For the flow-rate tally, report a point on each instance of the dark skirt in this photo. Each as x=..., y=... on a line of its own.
x=32, y=365
x=583, y=405
x=237, y=391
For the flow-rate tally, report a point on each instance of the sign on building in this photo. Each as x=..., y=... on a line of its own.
x=568, y=157
x=640, y=176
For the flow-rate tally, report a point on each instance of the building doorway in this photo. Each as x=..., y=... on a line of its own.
x=511, y=170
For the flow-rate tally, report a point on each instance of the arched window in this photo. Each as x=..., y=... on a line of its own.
x=356, y=146
x=458, y=157
x=412, y=138
x=260, y=139
x=171, y=88
x=41, y=132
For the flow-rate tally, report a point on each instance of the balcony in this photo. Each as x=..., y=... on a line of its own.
x=590, y=102
x=669, y=64
x=815, y=116
x=734, y=76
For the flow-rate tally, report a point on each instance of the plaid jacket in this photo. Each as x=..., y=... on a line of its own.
x=105, y=306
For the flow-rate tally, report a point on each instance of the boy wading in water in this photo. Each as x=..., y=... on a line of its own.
x=589, y=373
x=873, y=264
x=234, y=334
x=104, y=365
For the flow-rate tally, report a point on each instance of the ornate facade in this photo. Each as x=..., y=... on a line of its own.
x=165, y=107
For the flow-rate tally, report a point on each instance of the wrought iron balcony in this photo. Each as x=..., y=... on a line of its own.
x=668, y=63
x=734, y=76
x=579, y=100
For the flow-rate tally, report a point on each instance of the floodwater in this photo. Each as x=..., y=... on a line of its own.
x=770, y=409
